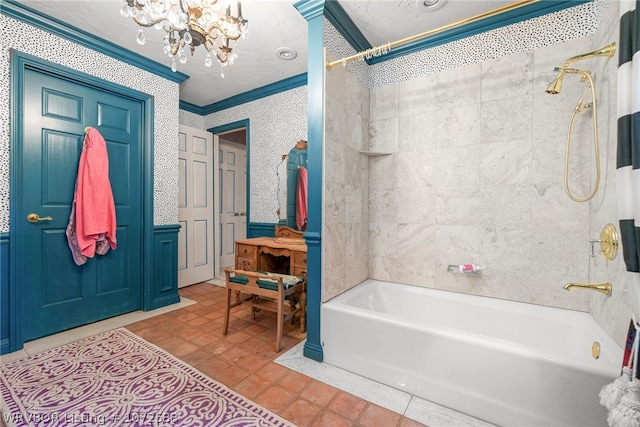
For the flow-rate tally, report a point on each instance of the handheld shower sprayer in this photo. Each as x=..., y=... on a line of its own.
x=556, y=85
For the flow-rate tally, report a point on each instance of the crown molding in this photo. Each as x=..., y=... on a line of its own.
x=310, y=9
x=341, y=21
x=191, y=108
x=252, y=95
x=345, y=26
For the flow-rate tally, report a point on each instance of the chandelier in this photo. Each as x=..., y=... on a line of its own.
x=189, y=24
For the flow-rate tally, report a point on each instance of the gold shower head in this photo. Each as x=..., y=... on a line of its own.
x=556, y=85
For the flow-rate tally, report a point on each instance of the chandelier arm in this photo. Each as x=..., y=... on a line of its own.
x=207, y=45
x=174, y=47
x=150, y=24
x=216, y=26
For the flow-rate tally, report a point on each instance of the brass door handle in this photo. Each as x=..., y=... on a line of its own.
x=34, y=217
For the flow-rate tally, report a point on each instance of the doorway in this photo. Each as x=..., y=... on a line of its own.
x=232, y=189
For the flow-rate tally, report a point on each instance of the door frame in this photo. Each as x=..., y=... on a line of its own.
x=216, y=131
x=20, y=62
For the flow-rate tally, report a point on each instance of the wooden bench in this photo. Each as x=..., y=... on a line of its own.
x=267, y=291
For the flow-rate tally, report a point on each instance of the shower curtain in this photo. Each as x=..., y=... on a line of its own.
x=628, y=163
x=628, y=159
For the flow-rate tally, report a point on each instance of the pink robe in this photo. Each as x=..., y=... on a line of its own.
x=93, y=229
x=301, y=199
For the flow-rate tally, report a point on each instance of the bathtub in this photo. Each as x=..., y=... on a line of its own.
x=504, y=362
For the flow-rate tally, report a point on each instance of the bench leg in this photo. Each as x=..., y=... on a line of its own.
x=303, y=311
x=227, y=310
x=280, y=327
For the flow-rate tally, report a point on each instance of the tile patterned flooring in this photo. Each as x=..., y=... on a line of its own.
x=305, y=392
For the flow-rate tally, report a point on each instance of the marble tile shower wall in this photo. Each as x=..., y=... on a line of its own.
x=474, y=174
x=345, y=232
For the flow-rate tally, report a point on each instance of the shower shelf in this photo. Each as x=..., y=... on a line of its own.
x=374, y=153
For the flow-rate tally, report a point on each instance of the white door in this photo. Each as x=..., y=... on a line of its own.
x=233, y=200
x=195, y=207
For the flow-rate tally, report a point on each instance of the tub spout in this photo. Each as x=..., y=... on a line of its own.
x=603, y=288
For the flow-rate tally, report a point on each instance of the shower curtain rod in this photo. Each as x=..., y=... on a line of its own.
x=385, y=48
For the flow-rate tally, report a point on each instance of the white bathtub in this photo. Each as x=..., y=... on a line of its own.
x=508, y=363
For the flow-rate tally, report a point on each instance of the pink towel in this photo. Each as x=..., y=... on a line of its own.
x=301, y=198
x=95, y=214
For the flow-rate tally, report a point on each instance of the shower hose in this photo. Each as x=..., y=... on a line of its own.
x=581, y=106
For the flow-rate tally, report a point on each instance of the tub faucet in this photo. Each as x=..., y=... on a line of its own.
x=603, y=288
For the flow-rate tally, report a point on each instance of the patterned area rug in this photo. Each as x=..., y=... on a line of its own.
x=118, y=379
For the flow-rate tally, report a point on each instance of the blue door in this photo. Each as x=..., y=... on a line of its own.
x=58, y=294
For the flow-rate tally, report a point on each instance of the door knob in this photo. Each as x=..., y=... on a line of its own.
x=243, y=213
x=236, y=214
x=34, y=217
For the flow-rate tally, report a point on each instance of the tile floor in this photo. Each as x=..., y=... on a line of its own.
x=303, y=391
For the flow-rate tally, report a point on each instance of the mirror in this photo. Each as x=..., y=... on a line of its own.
x=296, y=187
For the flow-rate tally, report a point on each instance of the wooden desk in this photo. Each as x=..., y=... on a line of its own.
x=285, y=253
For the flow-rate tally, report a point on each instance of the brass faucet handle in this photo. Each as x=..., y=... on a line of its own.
x=609, y=241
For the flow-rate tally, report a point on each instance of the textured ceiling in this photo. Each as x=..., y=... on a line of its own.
x=272, y=24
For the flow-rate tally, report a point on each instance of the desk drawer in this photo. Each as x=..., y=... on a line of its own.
x=248, y=251
x=300, y=259
x=247, y=264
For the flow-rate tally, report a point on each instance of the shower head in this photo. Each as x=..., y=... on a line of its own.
x=556, y=85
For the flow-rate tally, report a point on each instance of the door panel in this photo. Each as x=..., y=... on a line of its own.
x=195, y=206
x=58, y=294
x=233, y=201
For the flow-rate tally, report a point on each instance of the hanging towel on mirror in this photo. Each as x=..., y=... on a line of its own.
x=92, y=223
x=301, y=199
